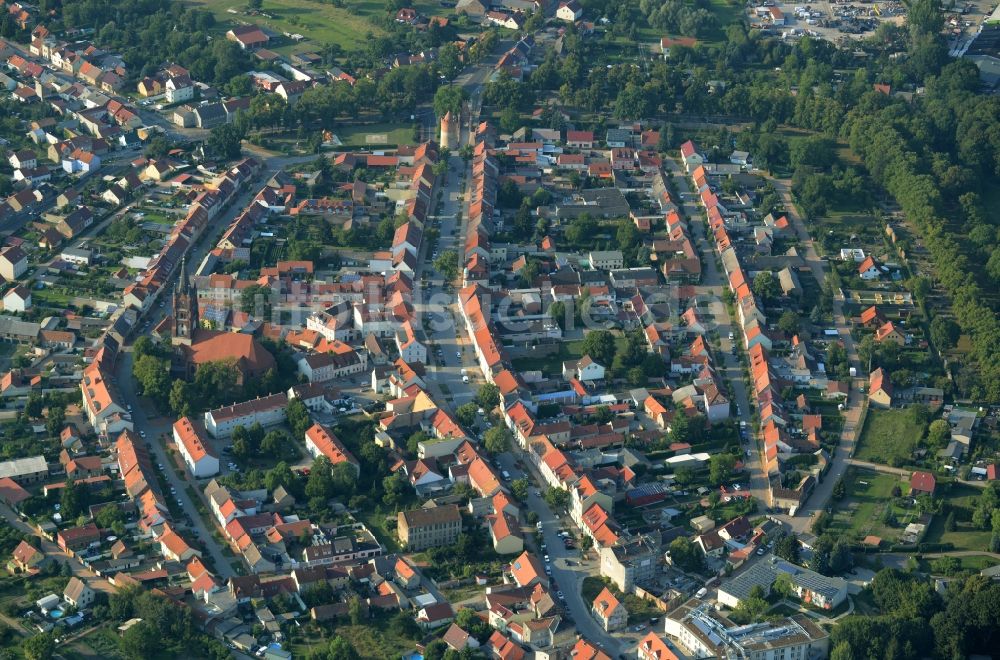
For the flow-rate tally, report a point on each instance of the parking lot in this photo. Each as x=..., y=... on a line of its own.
x=852, y=20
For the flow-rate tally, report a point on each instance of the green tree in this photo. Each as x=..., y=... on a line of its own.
x=839, y=490
x=557, y=312
x=256, y=301
x=111, y=517
x=224, y=141
x=394, y=490
x=298, y=417
x=320, y=484
x=152, y=375
x=39, y=647
x=447, y=264
x=55, y=420
x=140, y=641
x=600, y=346
x=436, y=650
x=497, y=440
x=520, y=488
x=449, y=98
x=488, y=396
x=280, y=475
x=789, y=322
x=466, y=414
x=180, y=398
x=72, y=500
x=783, y=586
x=556, y=498
x=34, y=406
x=945, y=332
x=787, y=547
x=751, y=608
x=938, y=433
x=686, y=555
x=766, y=285
x=721, y=467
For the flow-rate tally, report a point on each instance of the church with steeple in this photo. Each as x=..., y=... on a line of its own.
x=195, y=345
x=185, y=309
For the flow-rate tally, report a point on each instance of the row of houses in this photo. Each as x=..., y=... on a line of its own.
x=751, y=321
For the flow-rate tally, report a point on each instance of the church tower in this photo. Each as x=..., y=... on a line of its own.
x=185, y=309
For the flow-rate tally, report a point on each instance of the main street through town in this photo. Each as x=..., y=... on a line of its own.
x=453, y=373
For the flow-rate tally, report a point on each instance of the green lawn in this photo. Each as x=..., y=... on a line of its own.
x=889, y=436
x=861, y=512
x=375, y=135
x=380, y=526
x=51, y=297
x=965, y=564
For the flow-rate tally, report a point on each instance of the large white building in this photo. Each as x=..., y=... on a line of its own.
x=200, y=458
x=267, y=411
x=707, y=634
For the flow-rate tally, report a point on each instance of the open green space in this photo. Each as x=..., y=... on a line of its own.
x=972, y=564
x=375, y=135
x=639, y=610
x=373, y=641
x=889, y=436
x=960, y=500
x=552, y=363
x=863, y=510
x=319, y=23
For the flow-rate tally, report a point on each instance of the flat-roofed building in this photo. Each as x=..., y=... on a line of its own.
x=706, y=633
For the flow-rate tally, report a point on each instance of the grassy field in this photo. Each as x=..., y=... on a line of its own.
x=375, y=135
x=861, y=512
x=319, y=23
x=889, y=436
x=372, y=642
x=961, y=500
x=552, y=364
x=965, y=564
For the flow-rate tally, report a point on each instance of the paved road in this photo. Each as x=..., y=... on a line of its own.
x=565, y=578
x=713, y=283
x=158, y=429
x=436, y=302
x=852, y=411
